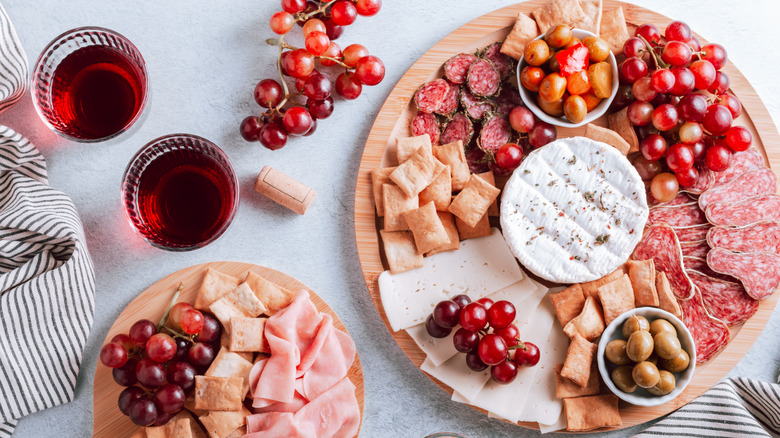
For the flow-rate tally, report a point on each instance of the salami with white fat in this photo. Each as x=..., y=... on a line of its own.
x=725, y=300
x=710, y=335
x=476, y=107
x=695, y=249
x=760, y=237
x=424, y=123
x=739, y=163
x=430, y=95
x=752, y=183
x=458, y=128
x=451, y=101
x=457, y=67
x=700, y=264
x=503, y=63
x=745, y=212
x=496, y=132
x=659, y=243
x=705, y=180
x=693, y=233
x=759, y=272
x=483, y=78
x=684, y=215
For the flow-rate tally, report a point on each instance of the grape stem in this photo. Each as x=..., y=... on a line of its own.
x=656, y=60
x=168, y=312
x=281, y=75
x=334, y=60
x=178, y=334
x=322, y=8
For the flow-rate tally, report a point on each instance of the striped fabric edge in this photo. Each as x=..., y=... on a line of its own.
x=13, y=64
x=7, y=428
x=735, y=407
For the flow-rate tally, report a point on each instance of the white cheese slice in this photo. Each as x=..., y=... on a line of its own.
x=480, y=267
x=574, y=210
x=458, y=376
x=437, y=350
x=559, y=424
x=516, y=293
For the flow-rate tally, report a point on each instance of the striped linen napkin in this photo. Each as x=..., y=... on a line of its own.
x=13, y=64
x=47, y=286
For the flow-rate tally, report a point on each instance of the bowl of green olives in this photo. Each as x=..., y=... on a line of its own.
x=646, y=356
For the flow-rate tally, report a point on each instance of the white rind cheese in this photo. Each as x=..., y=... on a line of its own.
x=574, y=210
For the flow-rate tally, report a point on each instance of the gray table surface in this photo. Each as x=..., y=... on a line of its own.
x=204, y=58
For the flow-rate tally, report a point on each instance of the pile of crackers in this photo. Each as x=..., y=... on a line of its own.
x=430, y=201
x=584, y=311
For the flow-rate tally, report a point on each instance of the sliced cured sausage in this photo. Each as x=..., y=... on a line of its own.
x=745, y=212
x=457, y=67
x=760, y=237
x=660, y=244
x=458, y=128
x=483, y=78
x=430, y=95
x=705, y=180
x=503, y=63
x=725, y=300
x=693, y=233
x=695, y=249
x=424, y=123
x=451, y=101
x=475, y=107
x=709, y=334
x=759, y=272
x=496, y=132
x=753, y=183
x=684, y=215
x=740, y=163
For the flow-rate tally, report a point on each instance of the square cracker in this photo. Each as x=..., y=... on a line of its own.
x=591, y=288
x=579, y=361
x=178, y=428
x=240, y=302
x=379, y=177
x=230, y=364
x=613, y=29
x=481, y=229
x=642, y=276
x=238, y=433
x=417, y=173
x=616, y=298
x=246, y=335
x=219, y=393
x=439, y=192
x=400, y=251
x=448, y=221
x=558, y=12
x=397, y=202
x=524, y=30
x=666, y=299
x=593, y=412
x=608, y=136
x=589, y=323
x=565, y=388
x=407, y=146
x=224, y=342
x=273, y=296
x=453, y=155
x=619, y=123
x=222, y=424
x=592, y=20
x=427, y=229
x=214, y=285
x=491, y=178
x=473, y=201
x=568, y=303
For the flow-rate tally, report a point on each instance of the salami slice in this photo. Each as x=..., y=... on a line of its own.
x=483, y=79
x=424, y=123
x=693, y=233
x=451, y=101
x=760, y=237
x=695, y=249
x=759, y=272
x=709, y=334
x=430, y=95
x=684, y=215
x=752, y=183
x=725, y=300
x=476, y=108
x=496, y=132
x=457, y=67
x=660, y=244
x=740, y=163
x=458, y=128
x=745, y=212
x=504, y=64
x=700, y=264
x=704, y=182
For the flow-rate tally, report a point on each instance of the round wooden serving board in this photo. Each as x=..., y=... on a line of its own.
x=152, y=303
x=394, y=119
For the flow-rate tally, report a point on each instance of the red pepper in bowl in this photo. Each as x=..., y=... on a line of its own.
x=573, y=59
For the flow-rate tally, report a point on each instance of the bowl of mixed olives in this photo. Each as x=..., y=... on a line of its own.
x=567, y=77
x=646, y=356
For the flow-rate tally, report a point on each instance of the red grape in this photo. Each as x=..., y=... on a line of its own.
x=282, y=22
x=141, y=331
x=664, y=187
x=283, y=60
x=353, y=53
x=509, y=156
x=541, y=134
x=182, y=348
x=644, y=131
x=662, y=80
x=716, y=54
x=653, y=147
x=732, y=103
x=473, y=317
x=695, y=44
x=640, y=113
x=150, y=373
x=435, y=330
x=174, y=317
x=492, y=349
x=250, y=128
x=170, y=398
x=501, y=314
x=698, y=149
x=623, y=98
x=632, y=69
x=718, y=157
x=474, y=362
x=461, y=300
x=720, y=84
x=333, y=30
x=522, y=119
x=465, y=340
x=646, y=169
x=703, y=73
x=201, y=355
x=297, y=120
x=317, y=87
x=446, y=313
x=678, y=31
x=717, y=120
x=738, y=138
x=510, y=334
x=661, y=99
x=211, y=330
x=679, y=157
x=690, y=132
x=334, y=51
x=182, y=374
x=299, y=63
x=192, y=321
x=162, y=418
x=128, y=396
x=649, y=32
x=125, y=375
x=677, y=53
x=321, y=109
x=124, y=340
x=528, y=356
x=633, y=47
x=143, y=412
x=113, y=355
x=313, y=127
x=692, y=107
x=317, y=43
x=160, y=348
x=665, y=117
x=273, y=136
x=348, y=86
x=684, y=82
x=313, y=25
x=293, y=6
x=343, y=12
x=370, y=70
x=687, y=178
x=368, y=8
x=268, y=93
x=505, y=372
x=643, y=89
x=486, y=302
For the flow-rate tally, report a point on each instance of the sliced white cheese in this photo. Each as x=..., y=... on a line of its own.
x=559, y=424
x=517, y=292
x=480, y=267
x=458, y=376
x=437, y=350
x=574, y=210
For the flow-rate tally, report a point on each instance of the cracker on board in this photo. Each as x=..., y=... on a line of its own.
x=238, y=433
x=426, y=227
x=565, y=388
x=481, y=229
x=214, y=285
x=400, y=251
x=417, y=173
x=224, y=342
x=239, y=302
x=397, y=202
x=579, y=360
x=589, y=323
x=592, y=20
x=473, y=201
x=524, y=30
x=246, y=335
x=380, y=177
x=613, y=29
x=453, y=155
x=273, y=296
x=439, y=192
x=642, y=276
x=619, y=123
x=407, y=146
x=558, y=12
x=591, y=288
x=666, y=298
x=230, y=364
x=491, y=178
x=178, y=428
x=593, y=412
x=223, y=423
x=219, y=393
x=608, y=136
x=568, y=303
x=617, y=297
x=448, y=221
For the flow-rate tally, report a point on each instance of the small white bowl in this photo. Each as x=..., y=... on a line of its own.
x=642, y=397
x=530, y=101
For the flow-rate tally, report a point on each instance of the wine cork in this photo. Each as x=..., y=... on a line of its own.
x=284, y=190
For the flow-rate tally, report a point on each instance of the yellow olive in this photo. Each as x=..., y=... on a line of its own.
x=552, y=63
x=665, y=385
x=678, y=363
x=639, y=346
x=575, y=109
x=554, y=109
x=591, y=100
x=634, y=323
x=667, y=346
x=645, y=374
x=572, y=42
x=531, y=77
x=552, y=87
x=558, y=36
x=621, y=377
x=662, y=325
x=537, y=52
x=598, y=49
x=615, y=352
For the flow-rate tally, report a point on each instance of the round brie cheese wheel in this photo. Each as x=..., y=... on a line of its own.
x=574, y=210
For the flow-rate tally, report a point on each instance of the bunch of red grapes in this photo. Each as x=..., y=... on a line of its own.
x=323, y=22
x=488, y=335
x=163, y=364
x=680, y=108
x=532, y=133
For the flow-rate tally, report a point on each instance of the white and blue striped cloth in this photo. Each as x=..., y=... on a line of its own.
x=13, y=64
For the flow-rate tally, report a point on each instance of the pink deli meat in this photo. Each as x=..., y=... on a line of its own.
x=695, y=249
x=483, y=78
x=495, y=133
x=430, y=95
x=759, y=272
x=710, y=335
x=725, y=300
x=693, y=233
x=740, y=163
x=451, y=101
x=503, y=63
x=457, y=67
x=760, y=237
x=475, y=107
x=659, y=243
x=752, y=183
x=460, y=128
x=745, y=212
x=684, y=215
x=424, y=123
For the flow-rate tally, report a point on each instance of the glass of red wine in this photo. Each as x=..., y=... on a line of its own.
x=90, y=84
x=180, y=192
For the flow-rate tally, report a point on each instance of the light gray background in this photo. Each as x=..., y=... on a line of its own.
x=204, y=58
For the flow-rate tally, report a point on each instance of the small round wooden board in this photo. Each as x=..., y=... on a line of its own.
x=394, y=120
x=108, y=421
